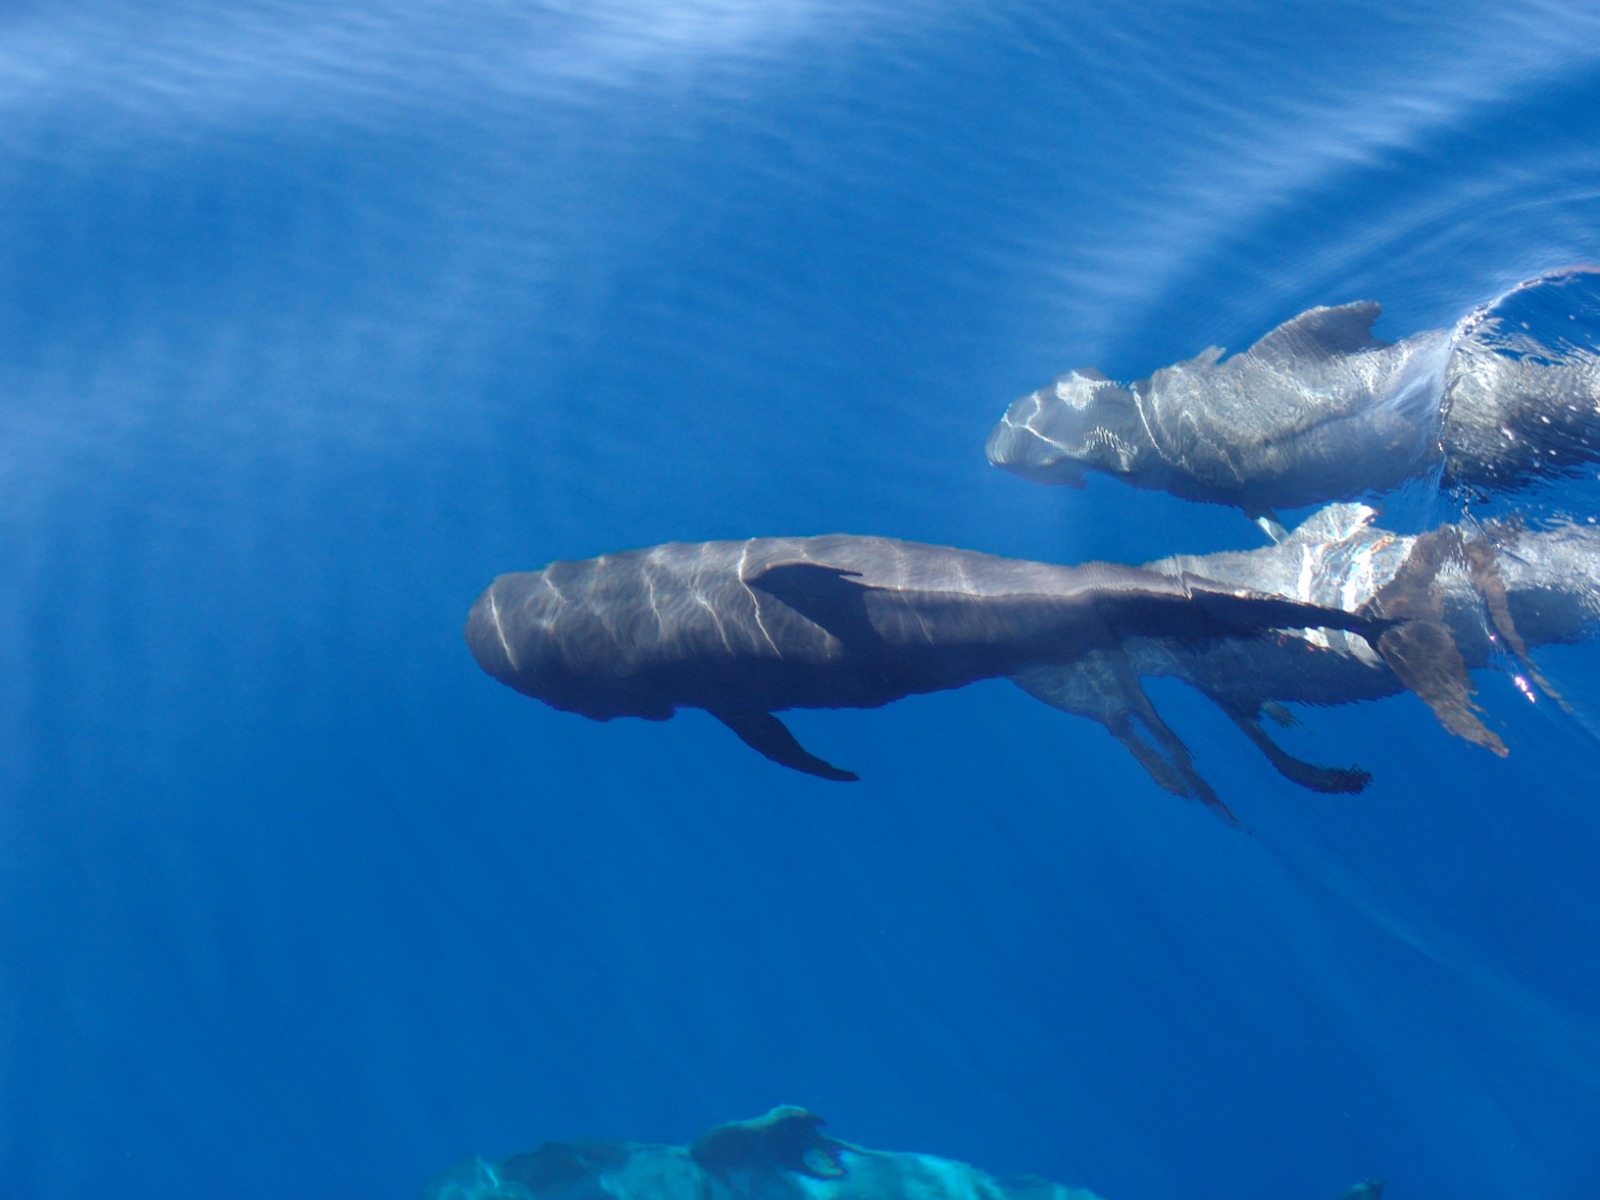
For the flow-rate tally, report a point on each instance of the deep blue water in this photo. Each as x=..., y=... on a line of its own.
x=318, y=316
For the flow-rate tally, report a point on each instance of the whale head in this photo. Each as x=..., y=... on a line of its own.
x=1082, y=422
x=511, y=633
x=545, y=634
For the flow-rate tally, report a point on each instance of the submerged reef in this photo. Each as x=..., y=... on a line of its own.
x=783, y=1155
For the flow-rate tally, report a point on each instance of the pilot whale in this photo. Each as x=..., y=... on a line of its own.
x=1463, y=596
x=783, y=1155
x=746, y=629
x=1320, y=410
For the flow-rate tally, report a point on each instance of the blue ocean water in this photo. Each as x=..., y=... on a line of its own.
x=318, y=316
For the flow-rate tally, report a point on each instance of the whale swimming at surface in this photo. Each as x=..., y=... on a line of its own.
x=746, y=629
x=1319, y=410
x=1462, y=595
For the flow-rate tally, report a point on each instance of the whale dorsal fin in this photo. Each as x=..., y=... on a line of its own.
x=1209, y=357
x=767, y=735
x=1320, y=333
x=825, y=595
x=786, y=1139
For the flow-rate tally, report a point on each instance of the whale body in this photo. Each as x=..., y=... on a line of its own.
x=1320, y=410
x=784, y=1155
x=1462, y=597
x=745, y=629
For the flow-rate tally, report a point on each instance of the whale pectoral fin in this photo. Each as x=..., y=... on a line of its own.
x=768, y=736
x=1321, y=333
x=1332, y=780
x=827, y=596
x=1165, y=758
x=1105, y=688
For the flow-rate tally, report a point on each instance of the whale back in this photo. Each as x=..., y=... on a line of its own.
x=1318, y=409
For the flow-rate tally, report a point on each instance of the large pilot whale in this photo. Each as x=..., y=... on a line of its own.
x=1465, y=596
x=1320, y=409
x=746, y=629
x=782, y=1155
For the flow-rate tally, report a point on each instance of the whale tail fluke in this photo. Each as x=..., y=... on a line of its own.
x=1421, y=649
